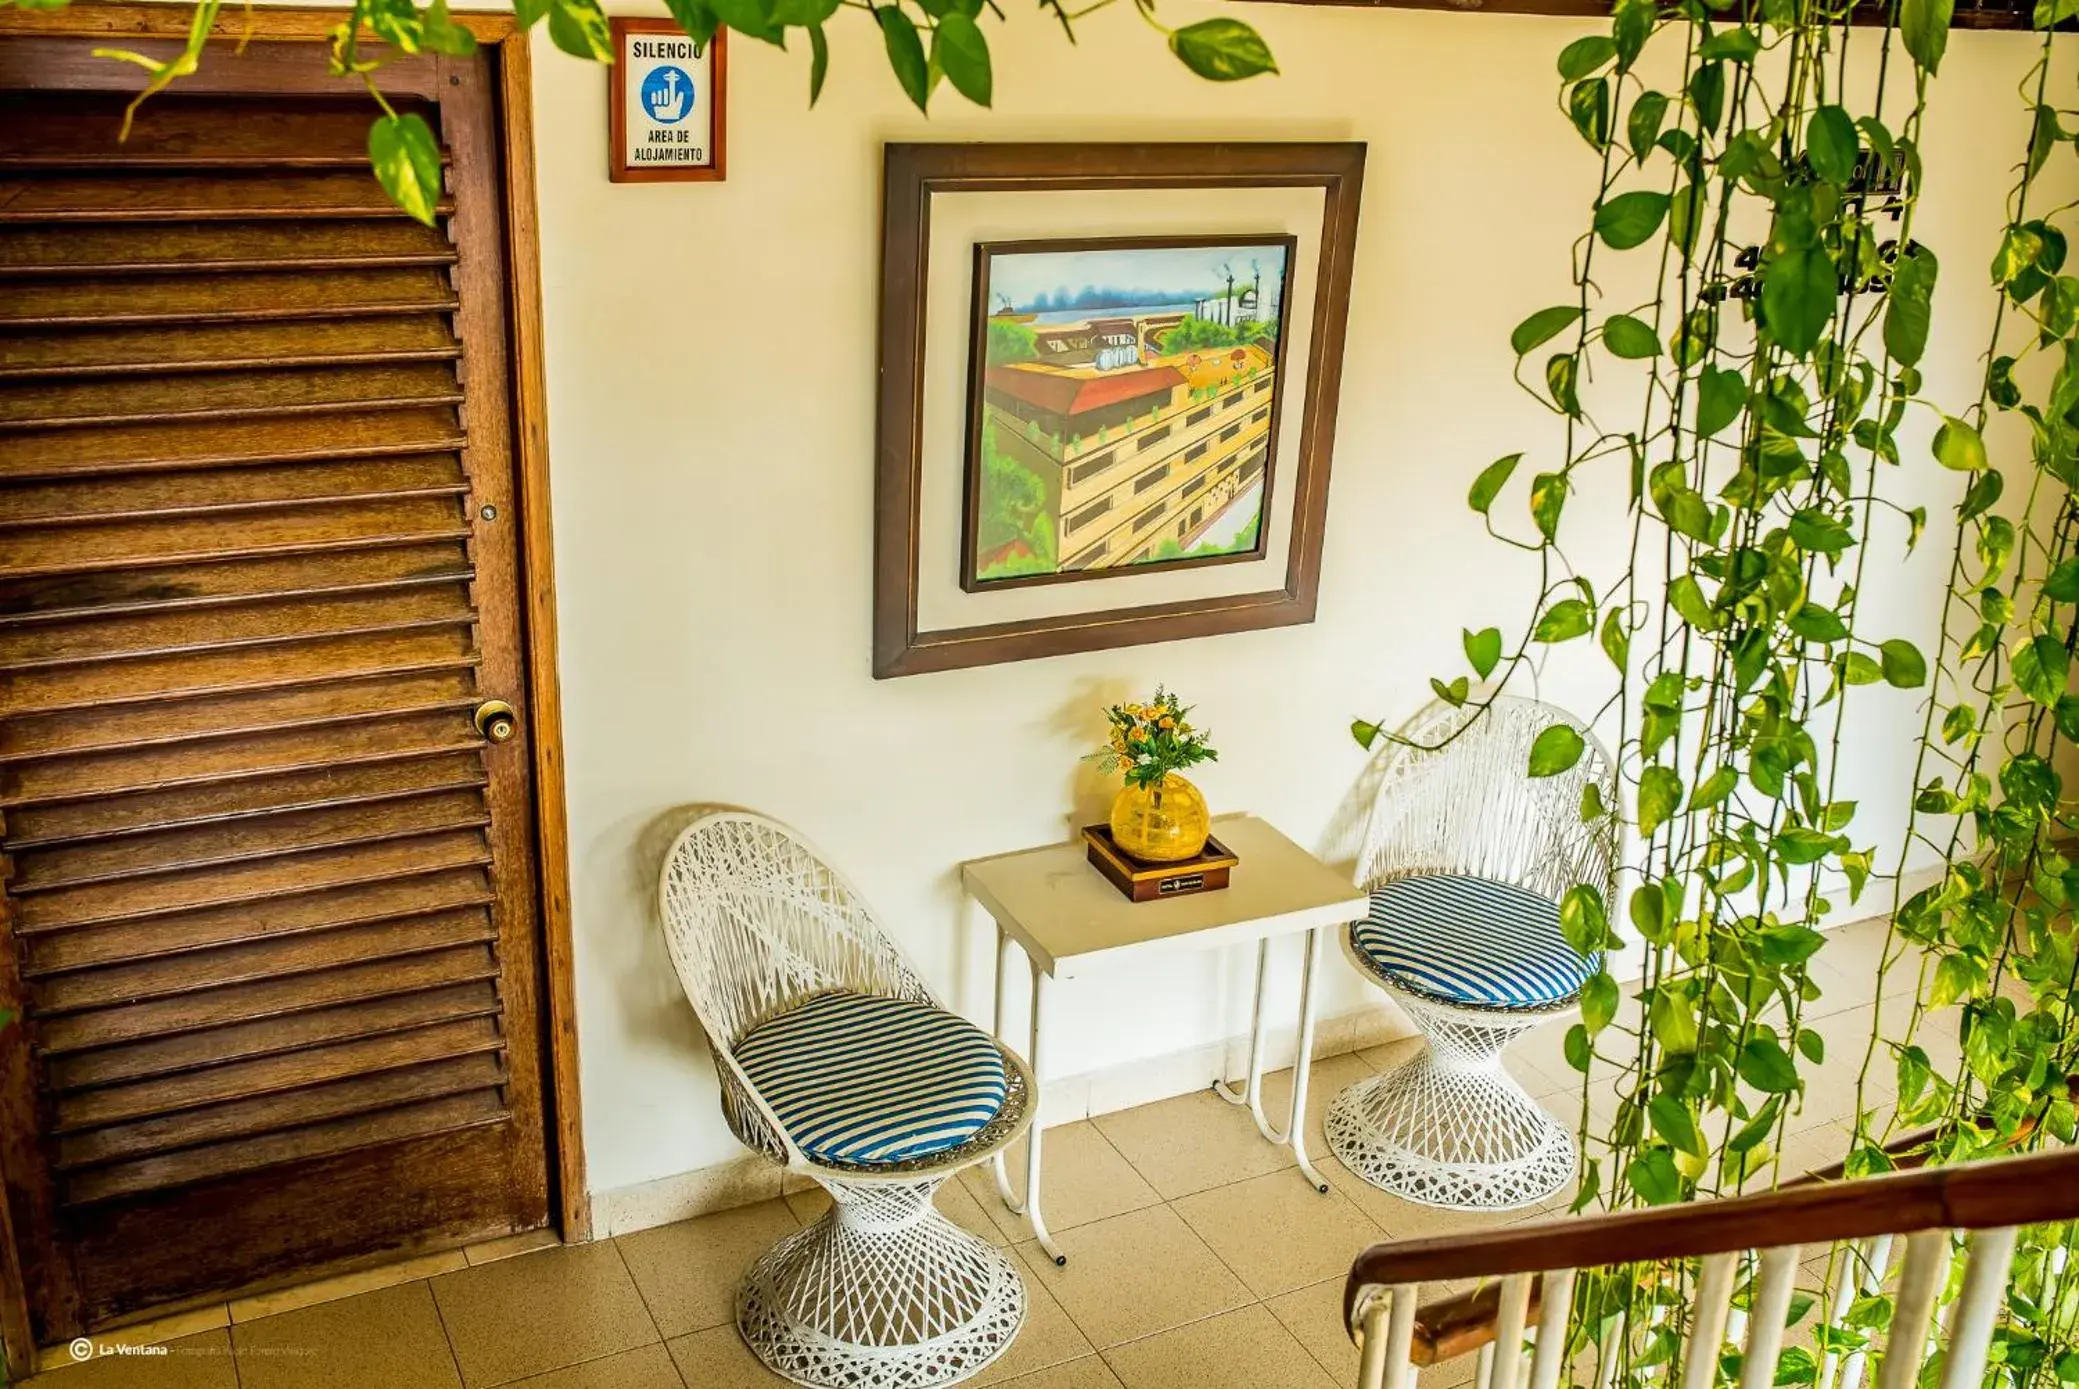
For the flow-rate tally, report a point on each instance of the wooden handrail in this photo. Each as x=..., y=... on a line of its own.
x=1974, y=1196
x=1462, y=1323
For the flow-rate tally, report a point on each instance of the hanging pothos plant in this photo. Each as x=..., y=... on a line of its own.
x=1760, y=170
x=928, y=42
x=1752, y=399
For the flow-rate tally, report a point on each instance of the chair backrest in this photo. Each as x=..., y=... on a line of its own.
x=1472, y=807
x=759, y=923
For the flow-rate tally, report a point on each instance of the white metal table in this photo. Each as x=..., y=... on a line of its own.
x=1068, y=920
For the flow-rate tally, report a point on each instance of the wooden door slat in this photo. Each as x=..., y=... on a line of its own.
x=319, y=292
x=100, y=904
x=270, y=957
x=270, y=998
x=452, y=1115
x=72, y=453
x=226, y=347
x=80, y=129
x=155, y=635
x=277, y=1036
x=218, y=396
x=256, y=837
x=178, y=587
x=261, y=775
x=268, y=1075
x=152, y=680
x=214, y=539
x=100, y=731
x=267, y=487
x=184, y=197
x=75, y=252
x=367, y=904
x=271, y=1114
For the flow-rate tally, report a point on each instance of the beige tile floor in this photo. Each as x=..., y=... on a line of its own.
x=1199, y=1259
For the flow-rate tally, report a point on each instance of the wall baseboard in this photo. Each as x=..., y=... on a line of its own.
x=752, y=1177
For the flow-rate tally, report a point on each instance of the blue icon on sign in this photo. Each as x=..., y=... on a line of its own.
x=667, y=94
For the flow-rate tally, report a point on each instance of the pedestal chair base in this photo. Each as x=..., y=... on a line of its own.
x=882, y=1293
x=1451, y=1127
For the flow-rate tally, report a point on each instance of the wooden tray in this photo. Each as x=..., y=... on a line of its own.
x=1141, y=881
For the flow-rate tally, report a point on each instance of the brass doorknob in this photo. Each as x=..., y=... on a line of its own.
x=497, y=721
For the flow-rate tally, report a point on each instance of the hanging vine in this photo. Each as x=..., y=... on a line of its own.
x=928, y=43
x=1759, y=174
x=1753, y=397
x=1993, y=938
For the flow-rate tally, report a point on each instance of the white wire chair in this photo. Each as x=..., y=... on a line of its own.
x=1451, y=1127
x=883, y=1292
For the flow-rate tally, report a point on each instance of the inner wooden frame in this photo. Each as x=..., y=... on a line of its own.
x=978, y=371
x=570, y=1200
x=914, y=174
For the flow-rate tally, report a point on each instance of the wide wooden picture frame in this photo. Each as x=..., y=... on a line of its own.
x=918, y=174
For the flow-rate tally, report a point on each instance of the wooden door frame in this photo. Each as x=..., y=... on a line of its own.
x=94, y=19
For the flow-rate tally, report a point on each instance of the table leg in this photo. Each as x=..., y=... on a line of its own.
x=1003, y=1176
x=1303, y=1064
x=1294, y=1134
x=1252, y=1088
x=1040, y=983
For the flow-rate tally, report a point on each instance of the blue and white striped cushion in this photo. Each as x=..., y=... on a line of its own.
x=861, y=1079
x=1469, y=940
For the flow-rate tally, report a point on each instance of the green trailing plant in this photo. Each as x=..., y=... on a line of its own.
x=1994, y=937
x=1740, y=361
x=1752, y=413
x=928, y=43
x=1992, y=942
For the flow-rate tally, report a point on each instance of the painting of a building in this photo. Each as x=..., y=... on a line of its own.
x=1124, y=407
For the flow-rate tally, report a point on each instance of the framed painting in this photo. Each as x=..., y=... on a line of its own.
x=1123, y=405
x=1109, y=377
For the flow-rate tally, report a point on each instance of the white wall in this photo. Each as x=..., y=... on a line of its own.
x=711, y=393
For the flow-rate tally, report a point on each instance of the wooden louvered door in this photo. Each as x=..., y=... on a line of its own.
x=270, y=897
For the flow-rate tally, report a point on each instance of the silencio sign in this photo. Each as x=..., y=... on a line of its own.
x=667, y=98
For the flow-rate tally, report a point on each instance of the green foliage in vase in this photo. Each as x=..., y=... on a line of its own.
x=1146, y=742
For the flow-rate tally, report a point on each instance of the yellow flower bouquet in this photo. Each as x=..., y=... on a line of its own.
x=1158, y=815
x=1151, y=740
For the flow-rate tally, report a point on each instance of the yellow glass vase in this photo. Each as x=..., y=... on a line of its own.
x=1163, y=823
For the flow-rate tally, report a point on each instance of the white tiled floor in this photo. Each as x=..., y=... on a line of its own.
x=1199, y=1259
